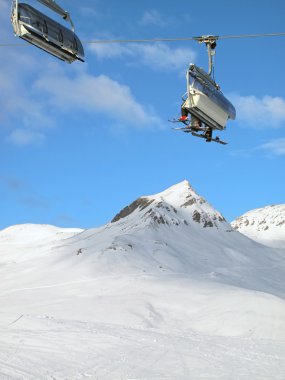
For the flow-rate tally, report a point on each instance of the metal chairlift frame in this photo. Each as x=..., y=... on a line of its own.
x=51, y=4
x=211, y=43
x=51, y=45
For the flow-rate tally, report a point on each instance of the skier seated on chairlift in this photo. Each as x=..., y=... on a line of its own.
x=194, y=123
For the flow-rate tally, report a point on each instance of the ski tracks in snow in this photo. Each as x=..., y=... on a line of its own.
x=48, y=286
x=46, y=348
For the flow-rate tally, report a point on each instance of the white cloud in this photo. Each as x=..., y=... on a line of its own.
x=27, y=95
x=110, y=51
x=153, y=18
x=31, y=98
x=155, y=55
x=260, y=113
x=161, y=56
x=86, y=92
x=21, y=108
x=88, y=11
x=22, y=137
x=275, y=146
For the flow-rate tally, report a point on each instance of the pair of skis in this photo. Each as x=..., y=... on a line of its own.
x=206, y=135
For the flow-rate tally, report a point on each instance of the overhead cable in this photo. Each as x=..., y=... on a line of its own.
x=153, y=40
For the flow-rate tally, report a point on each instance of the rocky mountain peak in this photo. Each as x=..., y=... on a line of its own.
x=179, y=204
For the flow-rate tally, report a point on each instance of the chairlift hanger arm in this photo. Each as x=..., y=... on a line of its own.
x=56, y=8
x=211, y=44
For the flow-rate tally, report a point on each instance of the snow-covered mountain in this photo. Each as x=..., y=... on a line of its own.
x=32, y=233
x=175, y=206
x=265, y=225
x=166, y=290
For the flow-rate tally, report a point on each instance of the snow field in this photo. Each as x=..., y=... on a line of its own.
x=168, y=291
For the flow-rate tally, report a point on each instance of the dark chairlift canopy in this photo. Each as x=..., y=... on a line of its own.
x=45, y=33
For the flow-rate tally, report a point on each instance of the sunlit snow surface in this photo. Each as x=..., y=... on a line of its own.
x=265, y=225
x=168, y=291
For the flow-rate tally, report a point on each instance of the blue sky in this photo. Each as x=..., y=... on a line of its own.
x=81, y=141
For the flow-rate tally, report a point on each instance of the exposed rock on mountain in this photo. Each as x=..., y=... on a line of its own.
x=265, y=225
x=179, y=204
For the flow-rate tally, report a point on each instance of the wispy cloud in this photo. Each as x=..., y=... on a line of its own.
x=27, y=95
x=161, y=56
x=88, y=11
x=23, y=137
x=24, y=114
x=157, y=56
x=270, y=148
x=152, y=18
x=265, y=112
x=95, y=94
x=275, y=147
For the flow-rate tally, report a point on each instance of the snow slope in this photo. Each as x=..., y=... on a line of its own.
x=265, y=225
x=166, y=290
x=31, y=233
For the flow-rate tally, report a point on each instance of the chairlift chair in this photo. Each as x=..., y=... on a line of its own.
x=40, y=30
x=209, y=109
x=205, y=101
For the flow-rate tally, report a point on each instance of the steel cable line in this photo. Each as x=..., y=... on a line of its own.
x=199, y=39
x=153, y=40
